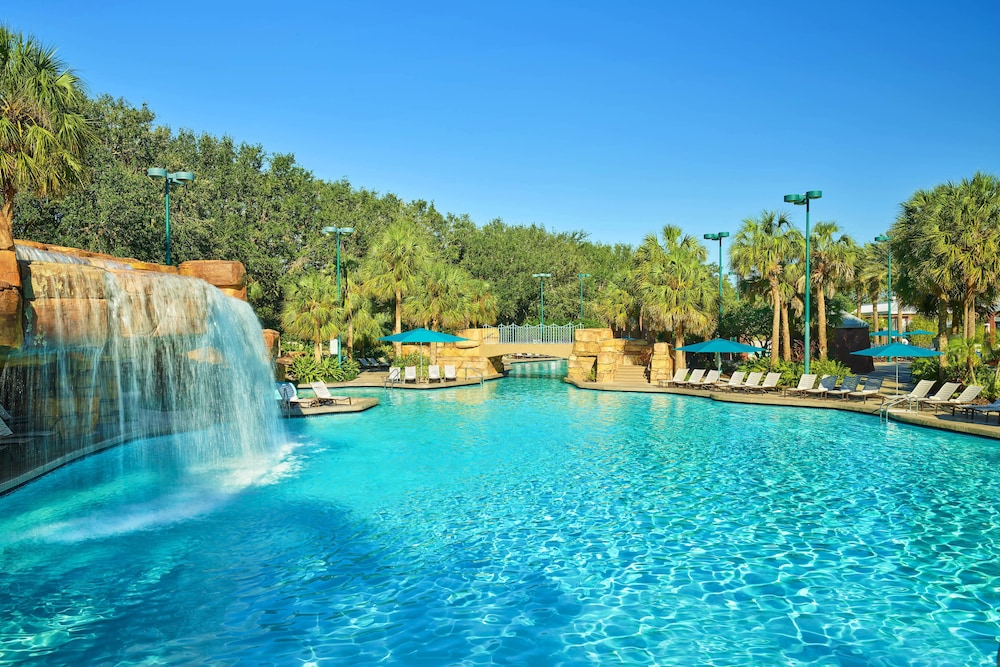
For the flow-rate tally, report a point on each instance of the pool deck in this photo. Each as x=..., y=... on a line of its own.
x=377, y=379
x=939, y=420
x=357, y=404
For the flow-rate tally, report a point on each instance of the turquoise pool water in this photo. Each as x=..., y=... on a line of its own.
x=525, y=522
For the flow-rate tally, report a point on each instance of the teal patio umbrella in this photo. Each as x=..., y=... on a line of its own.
x=720, y=345
x=920, y=332
x=897, y=350
x=421, y=336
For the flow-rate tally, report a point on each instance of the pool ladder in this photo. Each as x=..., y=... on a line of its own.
x=883, y=410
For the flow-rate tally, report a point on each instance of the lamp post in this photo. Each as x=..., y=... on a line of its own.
x=799, y=200
x=718, y=236
x=581, y=276
x=882, y=238
x=541, y=283
x=169, y=178
x=338, y=231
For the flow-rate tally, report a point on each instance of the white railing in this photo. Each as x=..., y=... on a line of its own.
x=514, y=334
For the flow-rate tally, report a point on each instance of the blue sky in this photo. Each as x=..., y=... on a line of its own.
x=611, y=118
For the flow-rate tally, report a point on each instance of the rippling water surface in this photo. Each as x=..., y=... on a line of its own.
x=525, y=522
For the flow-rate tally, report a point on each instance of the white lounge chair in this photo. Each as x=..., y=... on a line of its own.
x=323, y=394
x=871, y=388
x=849, y=384
x=962, y=400
x=695, y=378
x=735, y=380
x=752, y=382
x=678, y=378
x=410, y=374
x=941, y=395
x=826, y=384
x=806, y=383
x=290, y=396
x=711, y=377
x=770, y=382
x=434, y=373
x=449, y=373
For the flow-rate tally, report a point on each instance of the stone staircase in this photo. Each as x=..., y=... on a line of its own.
x=630, y=375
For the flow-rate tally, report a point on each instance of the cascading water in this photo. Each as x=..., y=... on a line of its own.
x=113, y=354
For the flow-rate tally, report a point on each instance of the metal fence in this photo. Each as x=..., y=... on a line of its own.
x=511, y=334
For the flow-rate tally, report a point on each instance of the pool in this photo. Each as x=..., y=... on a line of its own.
x=525, y=522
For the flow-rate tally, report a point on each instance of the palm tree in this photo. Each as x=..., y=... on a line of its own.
x=481, y=307
x=616, y=303
x=310, y=311
x=43, y=134
x=674, y=285
x=870, y=276
x=361, y=319
x=831, y=264
x=760, y=250
x=395, y=265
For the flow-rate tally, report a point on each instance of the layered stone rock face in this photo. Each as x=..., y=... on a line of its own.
x=74, y=328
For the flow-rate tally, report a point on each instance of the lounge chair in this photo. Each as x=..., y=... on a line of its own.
x=711, y=377
x=806, y=383
x=871, y=387
x=410, y=374
x=383, y=362
x=849, y=384
x=290, y=396
x=323, y=394
x=753, y=381
x=392, y=378
x=826, y=383
x=963, y=400
x=735, y=380
x=434, y=373
x=973, y=410
x=695, y=378
x=449, y=374
x=678, y=378
x=941, y=395
x=770, y=383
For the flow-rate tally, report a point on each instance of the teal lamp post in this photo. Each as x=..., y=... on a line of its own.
x=169, y=178
x=339, y=231
x=718, y=236
x=581, y=276
x=541, y=287
x=882, y=238
x=799, y=200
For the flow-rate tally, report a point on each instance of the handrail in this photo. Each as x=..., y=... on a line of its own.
x=884, y=408
x=513, y=334
x=478, y=374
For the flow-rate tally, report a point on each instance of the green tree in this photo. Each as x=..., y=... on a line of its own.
x=674, y=285
x=832, y=265
x=43, y=134
x=311, y=311
x=760, y=251
x=395, y=265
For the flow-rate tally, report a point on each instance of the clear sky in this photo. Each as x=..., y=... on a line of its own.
x=614, y=118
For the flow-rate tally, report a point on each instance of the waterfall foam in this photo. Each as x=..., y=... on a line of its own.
x=113, y=354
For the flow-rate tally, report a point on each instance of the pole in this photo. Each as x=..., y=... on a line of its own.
x=166, y=204
x=581, y=299
x=340, y=300
x=541, y=286
x=808, y=288
x=888, y=255
x=718, y=325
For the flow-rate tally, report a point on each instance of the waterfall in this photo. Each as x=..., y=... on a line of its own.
x=113, y=354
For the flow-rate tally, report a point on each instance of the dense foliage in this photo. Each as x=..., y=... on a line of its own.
x=408, y=264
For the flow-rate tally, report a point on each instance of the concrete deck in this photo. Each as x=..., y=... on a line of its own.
x=377, y=379
x=940, y=420
x=357, y=404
